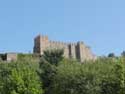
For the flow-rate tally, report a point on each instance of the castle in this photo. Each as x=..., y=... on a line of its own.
x=77, y=50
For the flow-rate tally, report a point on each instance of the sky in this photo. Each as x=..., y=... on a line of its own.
x=99, y=23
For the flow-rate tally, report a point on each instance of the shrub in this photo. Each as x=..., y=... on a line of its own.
x=89, y=78
x=19, y=78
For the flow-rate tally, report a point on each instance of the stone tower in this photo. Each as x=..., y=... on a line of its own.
x=40, y=44
x=77, y=50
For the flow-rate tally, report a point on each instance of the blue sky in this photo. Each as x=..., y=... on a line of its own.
x=99, y=23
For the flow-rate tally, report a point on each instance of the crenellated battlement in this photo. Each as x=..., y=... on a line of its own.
x=76, y=50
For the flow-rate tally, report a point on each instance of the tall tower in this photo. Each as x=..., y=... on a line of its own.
x=84, y=53
x=72, y=51
x=40, y=44
x=81, y=54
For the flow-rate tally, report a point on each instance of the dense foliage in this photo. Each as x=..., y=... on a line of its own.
x=106, y=75
x=53, y=74
x=48, y=65
x=89, y=78
x=53, y=56
x=19, y=78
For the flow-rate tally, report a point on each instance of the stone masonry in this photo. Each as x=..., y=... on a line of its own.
x=77, y=50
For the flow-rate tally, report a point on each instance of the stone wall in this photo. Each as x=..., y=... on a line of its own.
x=9, y=57
x=71, y=50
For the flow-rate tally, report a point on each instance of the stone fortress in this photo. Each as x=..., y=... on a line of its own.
x=77, y=50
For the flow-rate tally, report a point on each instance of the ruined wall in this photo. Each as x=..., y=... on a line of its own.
x=11, y=56
x=71, y=50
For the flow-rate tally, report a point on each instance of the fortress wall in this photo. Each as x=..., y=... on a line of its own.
x=66, y=51
x=44, y=41
x=59, y=45
x=37, y=44
x=41, y=43
x=82, y=51
x=71, y=50
x=55, y=44
x=90, y=55
x=85, y=52
x=77, y=49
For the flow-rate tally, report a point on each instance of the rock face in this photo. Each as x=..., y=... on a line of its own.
x=76, y=50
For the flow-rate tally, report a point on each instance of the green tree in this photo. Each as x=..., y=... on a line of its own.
x=20, y=78
x=113, y=81
x=47, y=75
x=75, y=78
x=111, y=55
x=53, y=56
x=123, y=54
x=48, y=63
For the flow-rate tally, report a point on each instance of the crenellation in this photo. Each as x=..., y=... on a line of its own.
x=77, y=50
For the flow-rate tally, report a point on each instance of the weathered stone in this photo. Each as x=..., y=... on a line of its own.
x=11, y=56
x=77, y=50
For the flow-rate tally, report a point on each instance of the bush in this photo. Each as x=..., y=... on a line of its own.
x=89, y=78
x=19, y=78
x=53, y=56
x=73, y=78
